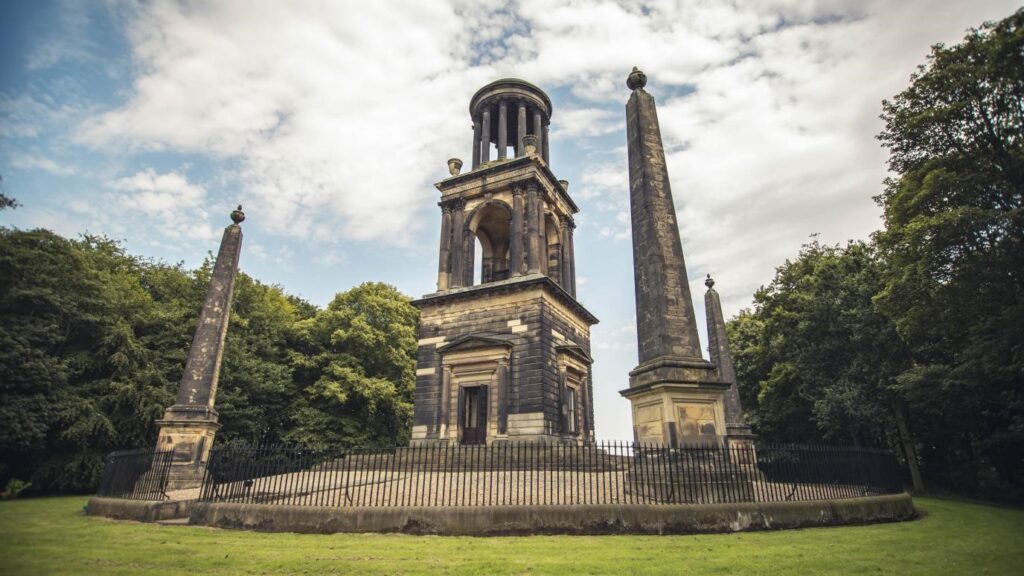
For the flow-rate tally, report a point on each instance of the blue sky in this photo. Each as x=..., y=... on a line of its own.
x=330, y=121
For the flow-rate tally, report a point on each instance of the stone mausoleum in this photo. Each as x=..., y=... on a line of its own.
x=504, y=346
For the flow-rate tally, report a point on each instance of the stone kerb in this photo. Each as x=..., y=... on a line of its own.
x=574, y=519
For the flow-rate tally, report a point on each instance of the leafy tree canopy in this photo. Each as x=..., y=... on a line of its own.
x=93, y=342
x=954, y=241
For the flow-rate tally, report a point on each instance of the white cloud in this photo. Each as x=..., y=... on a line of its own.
x=585, y=122
x=171, y=203
x=30, y=162
x=341, y=115
x=338, y=116
x=67, y=38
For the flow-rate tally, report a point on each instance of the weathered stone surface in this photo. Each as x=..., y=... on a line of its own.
x=721, y=357
x=666, y=325
x=189, y=426
x=515, y=347
x=579, y=519
x=525, y=320
x=676, y=395
x=138, y=510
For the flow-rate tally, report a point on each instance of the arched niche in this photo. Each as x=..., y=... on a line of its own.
x=551, y=261
x=489, y=228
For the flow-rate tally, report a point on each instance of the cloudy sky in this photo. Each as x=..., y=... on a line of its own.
x=329, y=122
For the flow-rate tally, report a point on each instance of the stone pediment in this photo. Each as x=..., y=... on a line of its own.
x=475, y=342
x=576, y=351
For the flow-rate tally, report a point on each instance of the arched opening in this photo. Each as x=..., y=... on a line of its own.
x=551, y=263
x=489, y=226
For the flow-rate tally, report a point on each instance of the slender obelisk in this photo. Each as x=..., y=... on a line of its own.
x=676, y=395
x=188, y=427
x=721, y=357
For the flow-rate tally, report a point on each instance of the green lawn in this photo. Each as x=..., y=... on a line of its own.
x=51, y=536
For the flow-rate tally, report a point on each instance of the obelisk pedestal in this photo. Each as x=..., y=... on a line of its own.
x=188, y=427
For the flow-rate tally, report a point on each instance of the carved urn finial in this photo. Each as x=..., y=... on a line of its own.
x=530, y=143
x=636, y=79
x=237, y=216
x=709, y=282
x=454, y=166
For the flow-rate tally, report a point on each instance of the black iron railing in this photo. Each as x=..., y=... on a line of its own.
x=543, y=474
x=136, y=475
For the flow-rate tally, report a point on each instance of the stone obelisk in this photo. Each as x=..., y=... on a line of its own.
x=676, y=395
x=188, y=427
x=721, y=357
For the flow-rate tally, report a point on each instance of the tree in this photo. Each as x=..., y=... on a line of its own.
x=5, y=200
x=256, y=391
x=815, y=360
x=954, y=238
x=355, y=363
x=82, y=359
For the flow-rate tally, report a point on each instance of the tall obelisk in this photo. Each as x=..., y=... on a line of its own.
x=189, y=426
x=676, y=395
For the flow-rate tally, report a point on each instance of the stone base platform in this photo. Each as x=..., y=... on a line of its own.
x=576, y=519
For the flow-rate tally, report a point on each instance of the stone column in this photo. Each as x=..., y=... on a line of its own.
x=444, y=258
x=455, y=276
x=532, y=247
x=446, y=395
x=563, y=415
x=502, y=129
x=188, y=427
x=503, y=384
x=542, y=237
x=515, y=266
x=585, y=401
x=521, y=129
x=469, y=258
x=566, y=270
x=538, y=131
x=721, y=357
x=545, y=147
x=476, y=142
x=570, y=257
x=485, y=135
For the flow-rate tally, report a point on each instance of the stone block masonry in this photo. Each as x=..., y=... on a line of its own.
x=511, y=337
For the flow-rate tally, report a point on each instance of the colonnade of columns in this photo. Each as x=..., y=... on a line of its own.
x=482, y=136
x=528, y=246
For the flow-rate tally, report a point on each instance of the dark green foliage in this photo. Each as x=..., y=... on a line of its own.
x=815, y=360
x=954, y=235
x=5, y=200
x=918, y=341
x=79, y=363
x=355, y=363
x=93, y=342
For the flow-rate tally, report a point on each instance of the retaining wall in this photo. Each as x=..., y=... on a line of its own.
x=578, y=519
x=138, y=510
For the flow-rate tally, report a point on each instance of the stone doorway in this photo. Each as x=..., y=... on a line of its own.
x=473, y=414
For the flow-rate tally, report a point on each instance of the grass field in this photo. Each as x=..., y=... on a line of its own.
x=51, y=536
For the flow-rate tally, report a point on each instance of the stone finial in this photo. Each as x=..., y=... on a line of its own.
x=636, y=79
x=530, y=142
x=237, y=216
x=454, y=166
x=565, y=184
x=709, y=282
